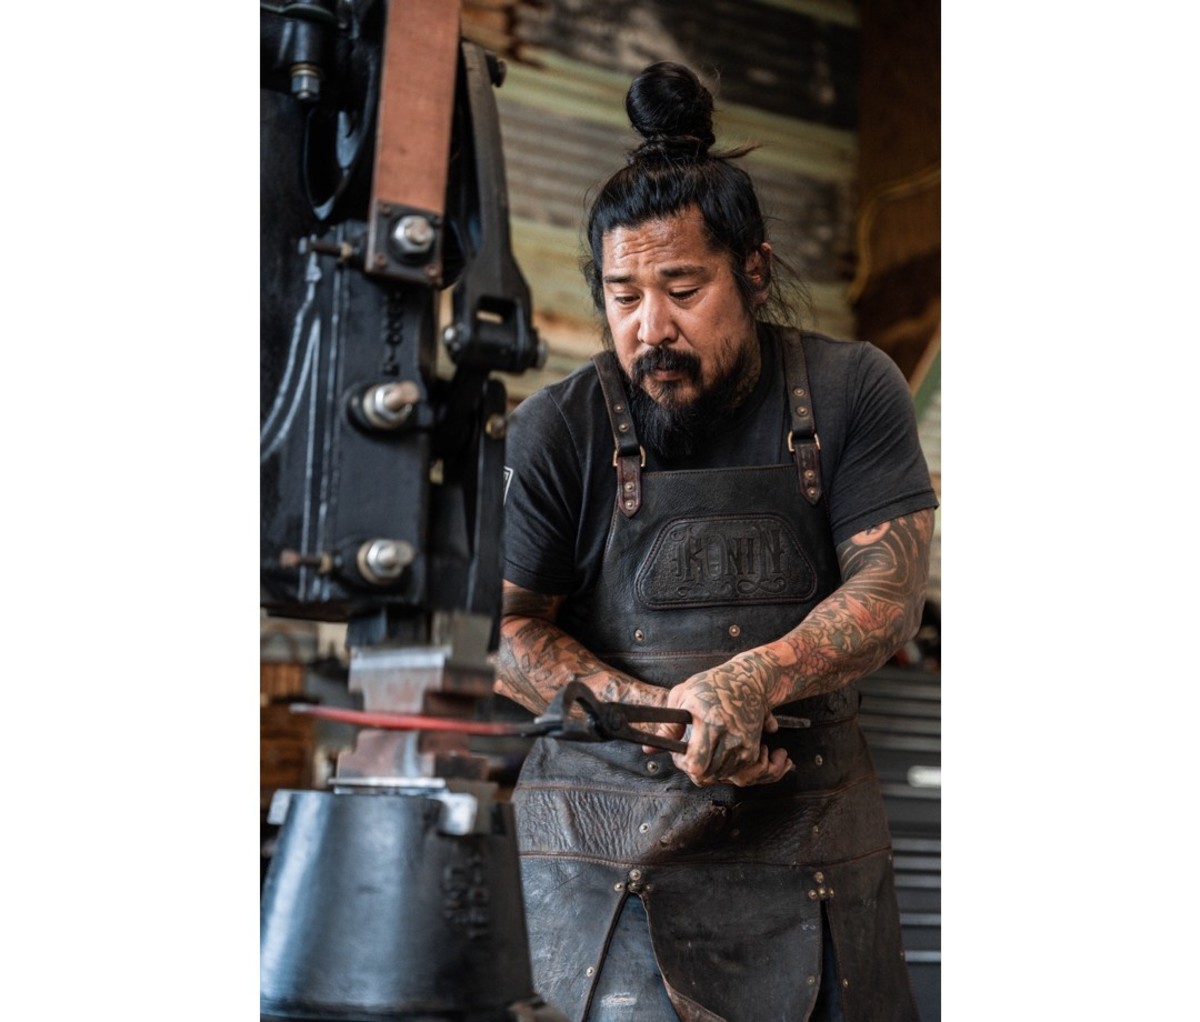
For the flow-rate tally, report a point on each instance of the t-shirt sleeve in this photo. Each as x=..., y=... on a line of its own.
x=881, y=473
x=542, y=495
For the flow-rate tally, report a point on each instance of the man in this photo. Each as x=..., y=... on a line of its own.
x=731, y=518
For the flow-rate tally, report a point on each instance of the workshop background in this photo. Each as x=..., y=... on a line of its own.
x=843, y=99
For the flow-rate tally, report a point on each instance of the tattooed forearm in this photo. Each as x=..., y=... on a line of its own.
x=875, y=610
x=536, y=657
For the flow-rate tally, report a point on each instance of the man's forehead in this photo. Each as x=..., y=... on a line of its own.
x=671, y=247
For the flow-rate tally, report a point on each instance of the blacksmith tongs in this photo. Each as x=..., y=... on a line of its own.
x=602, y=722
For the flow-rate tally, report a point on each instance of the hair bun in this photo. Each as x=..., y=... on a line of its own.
x=671, y=109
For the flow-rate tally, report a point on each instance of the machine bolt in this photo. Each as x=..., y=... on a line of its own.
x=452, y=337
x=384, y=560
x=413, y=234
x=306, y=82
x=389, y=405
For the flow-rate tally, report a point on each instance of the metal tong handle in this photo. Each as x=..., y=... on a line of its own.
x=607, y=721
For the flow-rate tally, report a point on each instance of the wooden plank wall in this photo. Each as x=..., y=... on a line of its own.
x=896, y=293
x=785, y=74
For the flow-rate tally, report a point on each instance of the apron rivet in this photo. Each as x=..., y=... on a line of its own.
x=816, y=830
x=845, y=983
x=801, y=410
x=628, y=487
x=639, y=635
x=635, y=874
x=624, y=427
x=819, y=877
x=618, y=408
x=818, y=759
x=643, y=828
x=629, y=503
x=812, y=981
x=652, y=767
x=735, y=630
x=808, y=474
x=799, y=392
x=590, y=971
x=812, y=895
x=618, y=886
x=821, y=891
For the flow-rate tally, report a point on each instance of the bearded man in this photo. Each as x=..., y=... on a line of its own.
x=724, y=514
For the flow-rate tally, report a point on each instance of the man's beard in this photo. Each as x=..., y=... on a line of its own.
x=673, y=428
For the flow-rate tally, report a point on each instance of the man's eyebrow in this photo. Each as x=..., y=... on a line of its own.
x=671, y=272
x=667, y=272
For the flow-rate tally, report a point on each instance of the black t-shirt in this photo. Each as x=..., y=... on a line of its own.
x=561, y=484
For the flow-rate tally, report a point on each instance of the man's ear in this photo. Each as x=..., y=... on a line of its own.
x=758, y=269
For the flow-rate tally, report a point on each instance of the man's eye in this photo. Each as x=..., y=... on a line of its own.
x=624, y=299
x=682, y=295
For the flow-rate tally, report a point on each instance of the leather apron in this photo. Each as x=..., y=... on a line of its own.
x=698, y=566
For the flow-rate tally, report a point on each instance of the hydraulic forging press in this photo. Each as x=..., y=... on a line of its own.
x=396, y=894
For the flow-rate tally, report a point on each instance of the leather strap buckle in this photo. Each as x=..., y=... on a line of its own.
x=791, y=446
x=617, y=454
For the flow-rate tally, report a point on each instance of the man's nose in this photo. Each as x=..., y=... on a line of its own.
x=656, y=325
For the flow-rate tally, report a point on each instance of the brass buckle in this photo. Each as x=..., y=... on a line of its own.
x=617, y=452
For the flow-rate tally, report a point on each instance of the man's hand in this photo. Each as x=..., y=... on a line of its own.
x=730, y=713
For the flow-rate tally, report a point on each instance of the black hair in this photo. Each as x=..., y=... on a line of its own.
x=672, y=170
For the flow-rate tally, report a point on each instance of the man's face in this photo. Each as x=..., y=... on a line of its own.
x=678, y=321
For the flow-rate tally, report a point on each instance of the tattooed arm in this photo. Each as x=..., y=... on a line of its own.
x=853, y=631
x=537, y=658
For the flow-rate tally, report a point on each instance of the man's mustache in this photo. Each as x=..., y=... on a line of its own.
x=668, y=360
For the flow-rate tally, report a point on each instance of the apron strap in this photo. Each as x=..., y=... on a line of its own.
x=802, y=438
x=628, y=456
